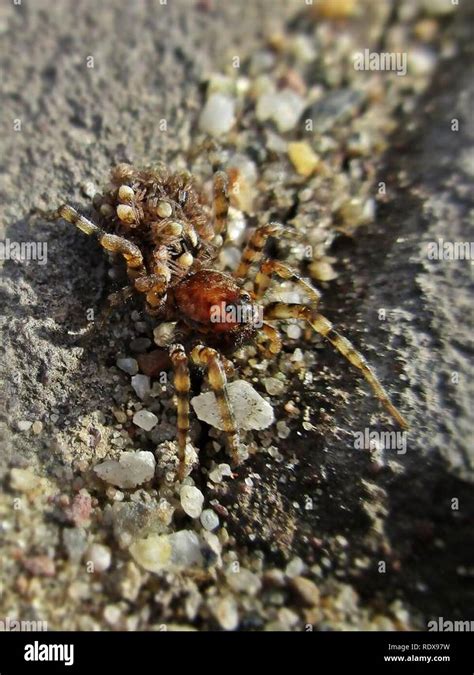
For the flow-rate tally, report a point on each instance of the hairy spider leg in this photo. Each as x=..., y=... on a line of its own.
x=268, y=268
x=182, y=385
x=209, y=358
x=253, y=251
x=111, y=242
x=268, y=341
x=281, y=310
x=221, y=203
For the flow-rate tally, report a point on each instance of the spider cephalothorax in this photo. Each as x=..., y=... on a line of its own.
x=169, y=237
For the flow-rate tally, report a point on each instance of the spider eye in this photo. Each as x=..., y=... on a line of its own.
x=245, y=297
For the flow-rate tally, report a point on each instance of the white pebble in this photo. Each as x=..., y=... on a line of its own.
x=218, y=115
x=23, y=480
x=132, y=469
x=112, y=614
x=129, y=366
x=153, y=553
x=294, y=331
x=217, y=474
x=209, y=519
x=186, y=548
x=243, y=581
x=141, y=385
x=99, y=556
x=251, y=411
x=283, y=107
x=295, y=568
x=274, y=386
x=225, y=611
x=192, y=500
x=145, y=420
x=421, y=61
x=23, y=425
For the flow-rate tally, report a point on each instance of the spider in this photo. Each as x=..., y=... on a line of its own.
x=169, y=237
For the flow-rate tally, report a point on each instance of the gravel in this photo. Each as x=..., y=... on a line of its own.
x=192, y=500
x=128, y=365
x=142, y=387
x=209, y=520
x=132, y=469
x=100, y=556
x=218, y=115
x=145, y=420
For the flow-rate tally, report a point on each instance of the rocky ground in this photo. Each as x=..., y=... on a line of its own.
x=364, y=169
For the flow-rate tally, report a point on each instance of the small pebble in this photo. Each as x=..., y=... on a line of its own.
x=192, y=500
x=303, y=158
x=132, y=469
x=75, y=542
x=250, y=409
x=321, y=270
x=158, y=552
x=100, y=556
x=129, y=366
x=217, y=474
x=306, y=590
x=294, y=332
x=243, y=581
x=40, y=566
x=23, y=425
x=23, y=480
x=119, y=415
x=283, y=429
x=145, y=420
x=141, y=386
x=209, y=520
x=274, y=386
x=422, y=61
x=186, y=548
x=283, y=107
x=218, y=115
x=112, y=614
x=294, y=568
x=225, y=612
x=80, y=509
x=37, y=427
x=153, y=553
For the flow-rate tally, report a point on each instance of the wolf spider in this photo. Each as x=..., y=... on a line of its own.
x=169, y=237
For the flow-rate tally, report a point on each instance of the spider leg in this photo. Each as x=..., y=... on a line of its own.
x=182, y=385
x=111, y=242
x=271, y=340
x=114, y=299
x=269, y=267
x=155, y=287
x=253, y=251
x=221, y=203
x=209, y=358
x=280, y=310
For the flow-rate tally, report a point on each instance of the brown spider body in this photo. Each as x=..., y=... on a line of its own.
x=169, y=236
